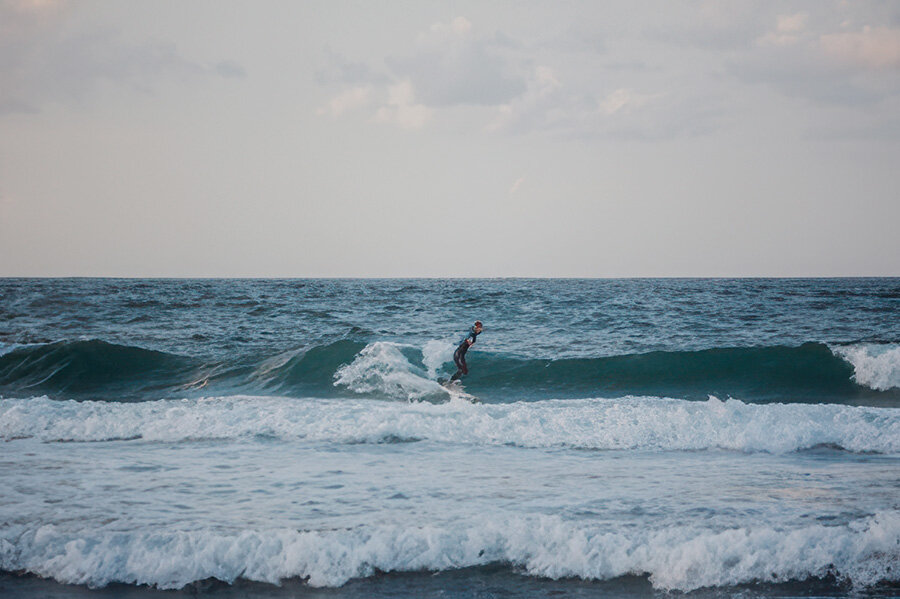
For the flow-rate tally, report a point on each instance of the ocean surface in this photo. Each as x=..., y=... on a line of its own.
x=288, y=438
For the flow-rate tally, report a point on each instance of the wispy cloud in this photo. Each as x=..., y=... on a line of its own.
x=402, y=109
x=449, y=64
x=844, y=68
x=830, y=57
x=44, y=62
x=788, y=30
x=871, y=47
x=348, y=100
x=452, y=64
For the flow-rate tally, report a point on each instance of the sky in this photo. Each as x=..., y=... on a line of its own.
x=431, y=139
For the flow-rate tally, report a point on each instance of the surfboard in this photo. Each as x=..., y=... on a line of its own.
x=455, y=389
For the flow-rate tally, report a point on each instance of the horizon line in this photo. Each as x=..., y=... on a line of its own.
x=437, y=277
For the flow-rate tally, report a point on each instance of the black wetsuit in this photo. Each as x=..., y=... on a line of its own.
x=459, y=356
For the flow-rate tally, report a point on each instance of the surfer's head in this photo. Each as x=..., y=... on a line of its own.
x=478, y=325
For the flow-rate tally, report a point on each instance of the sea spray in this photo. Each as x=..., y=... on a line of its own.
x=876, y=366
x=382, y=369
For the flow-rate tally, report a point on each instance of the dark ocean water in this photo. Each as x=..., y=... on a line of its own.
x=728, y=437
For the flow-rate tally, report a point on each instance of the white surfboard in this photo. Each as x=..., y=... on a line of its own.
x=456, y=390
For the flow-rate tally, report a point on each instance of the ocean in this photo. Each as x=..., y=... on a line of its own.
x=288, y=438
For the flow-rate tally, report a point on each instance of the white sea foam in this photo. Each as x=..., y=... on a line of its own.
x=680, y=558
x=382, y=368
x=874, y=365
x=435, y=353
x=615, y=424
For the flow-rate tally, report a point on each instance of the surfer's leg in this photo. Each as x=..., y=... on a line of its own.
x=460, y=361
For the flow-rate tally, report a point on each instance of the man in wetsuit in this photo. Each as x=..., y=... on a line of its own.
x=459, y=356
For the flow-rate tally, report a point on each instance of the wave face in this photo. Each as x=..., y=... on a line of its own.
x=810, y=372
x=90, y=367
x=676, y=558
x=598, y=424
x=813, y=372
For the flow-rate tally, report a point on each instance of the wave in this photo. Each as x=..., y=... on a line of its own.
x=597, y=424
x=810, y=372
x=862, y=553
x=813, y=372
x=876, y=366
x=312, y=368
x=92, y=366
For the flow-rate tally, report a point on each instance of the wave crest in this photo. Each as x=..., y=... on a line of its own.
x=876, y=366
x=381, y=369
x=678, y=558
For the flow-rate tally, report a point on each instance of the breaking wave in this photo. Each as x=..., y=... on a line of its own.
x=599, y=424
x=863, y=552
x=813, y=372
x=876, y=366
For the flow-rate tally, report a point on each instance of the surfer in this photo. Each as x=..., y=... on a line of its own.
x=459, y=356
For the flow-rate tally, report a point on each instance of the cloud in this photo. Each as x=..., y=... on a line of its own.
x=41, y=62
x=788, y=30
x=577, y=38
x=459, y=26
x=448, y=65
x=534, y=108
x=402, y=109
x=229, y=70
x=451, y=65
x=710, y=24
x=842, y=68
x=623, y=100
x=870, y=48
x=338, y=70
x=394, y=105
x=351, y=99
x=620, y=113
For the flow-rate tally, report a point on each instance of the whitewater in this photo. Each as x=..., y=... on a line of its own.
x=602, y=424
x=718, y=438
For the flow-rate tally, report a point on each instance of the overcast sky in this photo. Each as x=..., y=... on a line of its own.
x=596, y=139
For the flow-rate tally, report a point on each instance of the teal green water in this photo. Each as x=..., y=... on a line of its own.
x=832, y=340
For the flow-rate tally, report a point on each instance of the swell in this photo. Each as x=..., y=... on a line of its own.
x=810, y=372
x=813, y=372
x=95, y=367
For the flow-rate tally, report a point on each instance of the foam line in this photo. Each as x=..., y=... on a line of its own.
x=863, y=552
x=609, y=424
